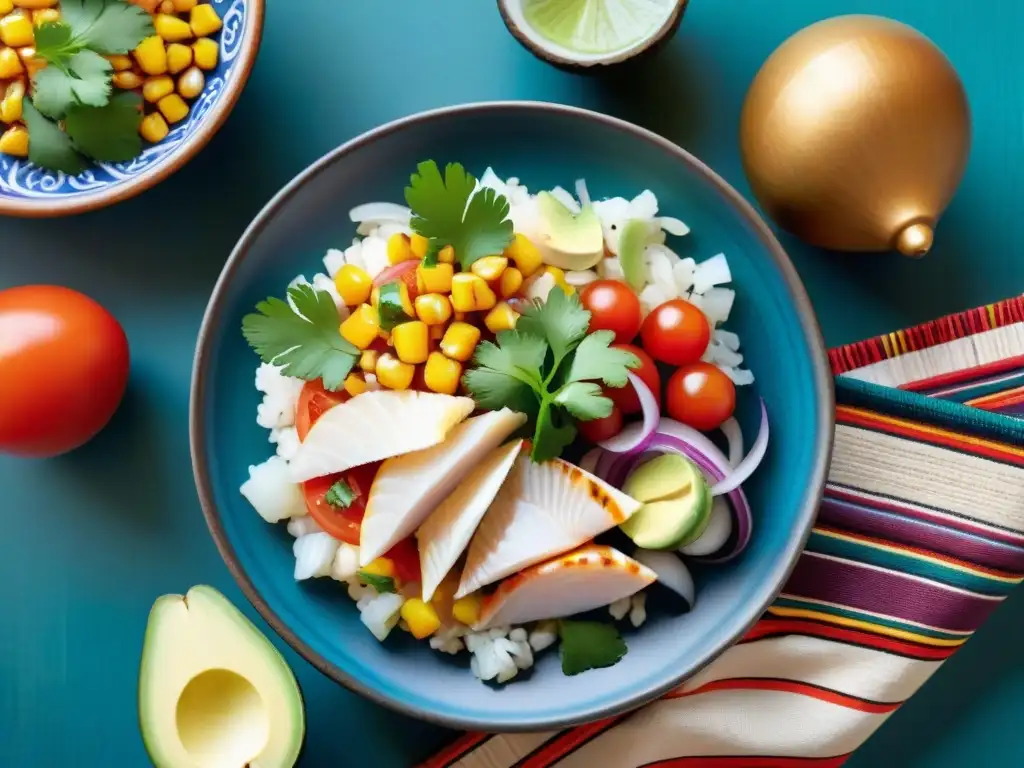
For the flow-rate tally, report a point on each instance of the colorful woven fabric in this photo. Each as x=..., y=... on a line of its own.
x=920, y=536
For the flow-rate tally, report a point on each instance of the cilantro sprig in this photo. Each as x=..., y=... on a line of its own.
x=304, y=341
x=340, y=495
x=589, y=645
x=549, y=368
x=446, y=212
x=382, y=584
x=76, y=86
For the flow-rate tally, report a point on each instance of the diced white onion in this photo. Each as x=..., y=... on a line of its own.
x=346, y=562
x=651, y=297
x=322, y=282
x=375, y=255
x=271, y=491
x=643, y=206
x=717, y=304
x=580, y=278
x=673, y=226
x=380, y=615
x=333, y=261
x=727, y=338
x=619, y=608
x=303, y=526
x=741, y=377
x=313, y=555
x=682, y=273
x=354, y=255
x=638, y=609
x=714, y=271
x=381, y=212
x=611, y=269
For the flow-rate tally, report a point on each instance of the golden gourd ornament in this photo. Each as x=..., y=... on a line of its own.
x=855, y=135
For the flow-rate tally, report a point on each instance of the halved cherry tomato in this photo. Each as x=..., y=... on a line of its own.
x=613, y=307
x=625, y=397
x=700, y=395
x=404, y=271
x=314, y=400
x=676, y=332
x=597, y=430
x=343, y=523
x=405, y=556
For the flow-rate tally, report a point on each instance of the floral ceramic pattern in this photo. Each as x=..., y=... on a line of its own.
x=20, y=178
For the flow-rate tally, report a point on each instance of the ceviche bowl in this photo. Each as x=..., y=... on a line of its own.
x=210, y=85
x=337, y=626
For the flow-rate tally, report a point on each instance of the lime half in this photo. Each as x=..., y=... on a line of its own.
x=589, y=32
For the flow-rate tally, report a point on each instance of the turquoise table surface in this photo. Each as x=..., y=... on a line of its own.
x=91, y=539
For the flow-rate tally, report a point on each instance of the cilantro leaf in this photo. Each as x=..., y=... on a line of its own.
x=447, y=212
x=555, y=431
x=518, y=355
x=305, y=343
x=107, y=26
x=54, y=42
x=110, y=133
x=340, y=495
x=82, y=78
x=48, y=146
x=389, y=306
x=493, y=391
x=595, y=359
x=382, y=584
x=589, y=645
x=584, y=400
x=561, y=320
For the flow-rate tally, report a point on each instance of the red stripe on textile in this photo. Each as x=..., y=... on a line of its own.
x=568, y=741
x=749, y=761
x=766, y=628
x=790, y=686
x=967, y=374
x=459, y=748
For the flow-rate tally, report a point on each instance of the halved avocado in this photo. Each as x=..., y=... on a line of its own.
x=213, y=691
x=546, y=29
x=568, y=241
x=676, y=503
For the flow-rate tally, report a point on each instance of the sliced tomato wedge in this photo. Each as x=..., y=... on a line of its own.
x=314, y=401
x=404, y=271
x=406, y=557
x=343, y=523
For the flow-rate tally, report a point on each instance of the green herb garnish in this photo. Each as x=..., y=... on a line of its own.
x=389, y=306
x=304, y=341
x=76, y=86
x=340, y=495
x=547, y=368
x=589, y=645
x=444, y=214
x=382, y=584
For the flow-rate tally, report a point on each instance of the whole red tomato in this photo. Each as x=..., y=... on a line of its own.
x=613, y=307
x=599, y=430
x=63, y=369
x=700, y=395
x=676, y=332
x=625, y=397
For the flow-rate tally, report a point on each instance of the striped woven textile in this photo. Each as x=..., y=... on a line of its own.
x=920, y=536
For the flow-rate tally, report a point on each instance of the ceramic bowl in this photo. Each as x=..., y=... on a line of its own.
x=544, y=145
x=29, y=191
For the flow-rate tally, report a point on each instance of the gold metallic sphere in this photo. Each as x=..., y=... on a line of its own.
x=855, y=135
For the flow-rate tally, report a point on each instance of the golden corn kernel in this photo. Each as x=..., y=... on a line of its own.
x=354, y=284
x=399, y=249
x=6, y=6
x=10, y=63
x=442, y=374
x=151, y=55
x=471, y=293
x=179, y=58
x=16, y=30
x=10, y=106
x=361, y=327
x=393, y=373
x=368, y=360
x=205, y=52
x=183, y=6
x=511, y=282
x=433, y=308
x=355, y=384
x=435, y=279
x=421, y=617
x=120, y=62
x=191, y=83
x=559, y=276
x=446, y=255
x=44, y=15
x=14, y=141
x=171, y=28
x=466, y=610
x=155, y=88
x=173, y=108
x=30, y=61
x=489, y=267
x=525, y=255
x=126, y=80
x=501, y=318
x=204, y=20
x=460, y=341
x=419, y=244
x=412, y=341
x=153, y=128
x=166, y=7
x=34, y=4
x=382, y=566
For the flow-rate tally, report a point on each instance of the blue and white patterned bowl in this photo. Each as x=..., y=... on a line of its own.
x=30, y=191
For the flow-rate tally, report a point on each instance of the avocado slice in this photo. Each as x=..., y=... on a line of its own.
x=676, y=503
x=213, y=691
x=569, y=242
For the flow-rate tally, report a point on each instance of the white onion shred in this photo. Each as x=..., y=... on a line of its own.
x=750, y=462
x=379, y=212
x=582, y=192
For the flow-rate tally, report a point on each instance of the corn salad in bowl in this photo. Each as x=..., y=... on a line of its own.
x=101, y=99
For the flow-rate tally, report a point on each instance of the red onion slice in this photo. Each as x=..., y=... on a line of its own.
x=734, y=437
x=628, y=441
x=750, y=462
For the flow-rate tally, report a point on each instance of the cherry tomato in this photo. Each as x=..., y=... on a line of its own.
x=343, y=523
x=404, y=271
x=63, y=369
x=314, y=400
x=613, y=307
x=598, y=430
x=625, y=397
x=406, y=558
x=700, y=395
x=676, y=333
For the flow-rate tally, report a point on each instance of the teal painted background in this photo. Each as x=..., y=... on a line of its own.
x=91, y=539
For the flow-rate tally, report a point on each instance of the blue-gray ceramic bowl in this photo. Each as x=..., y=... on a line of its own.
x=544, y=145
x=30, y=191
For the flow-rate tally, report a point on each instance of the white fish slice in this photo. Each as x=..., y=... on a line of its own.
x=407, y=488
x=375, y=426
x=541, y=511
x=590, y=577
x=446, y=533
